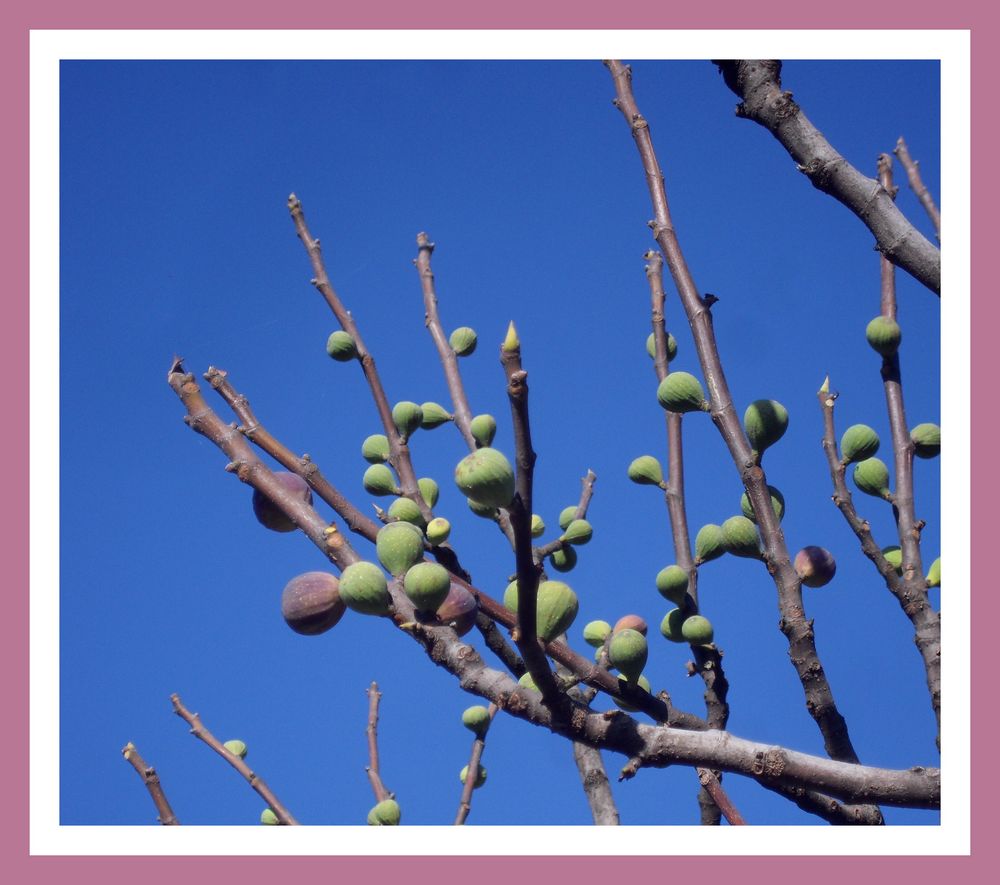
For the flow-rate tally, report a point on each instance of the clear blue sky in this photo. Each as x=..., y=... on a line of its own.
x=176, y=240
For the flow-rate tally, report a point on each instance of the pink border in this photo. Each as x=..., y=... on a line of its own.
x=17, y=20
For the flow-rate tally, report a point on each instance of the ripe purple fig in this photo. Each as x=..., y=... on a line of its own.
x=311, y=603
x=458, y=610
x=269, y=514
x=815, y=566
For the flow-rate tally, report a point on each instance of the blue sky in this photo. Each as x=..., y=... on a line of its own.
x=175, y=239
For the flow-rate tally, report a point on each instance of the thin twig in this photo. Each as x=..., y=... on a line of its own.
x=203, y=734
x=472, y=772
x=164, y=813
x=371, y=731
x=917, y=185
x=711, y=784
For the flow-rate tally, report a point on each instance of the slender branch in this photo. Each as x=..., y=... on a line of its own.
x=712, y=786
x=757, y=82
x=203, y=734
x=164, y=813
x=798, y=630
x=371, y=732
x=496, y=643
x=917, y=185
x=472, y=773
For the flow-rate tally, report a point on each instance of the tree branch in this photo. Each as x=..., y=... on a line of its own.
x=472, y=773
x=757, y=82
x=917, y=185
x=371, y=732
x=164, y=813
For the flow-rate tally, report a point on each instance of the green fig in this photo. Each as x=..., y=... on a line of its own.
x=386, y=814
x=630, y=622
x=527, y=682
x=671, y=346
x=486, y=512
x=934, y=573
x=671, y=624
x=484, y=428
x=480, y=776
x=628, y=652
x=429, y=490
x=378, y=480
x=681, y=392
x=740, y=535
x=697, y=630
x=432, y=415
x=579, y=531
x=269, y=818
x=438, y=530
x=646, y=470
x=894, y=556
x=486, y=477
x=777, y=504
x=510, y=597
x=407, y=417
x=595, y=632
x=563, y=560
x=341, y=347
x=405, y=510
x=858, y=443
x=364, y=589
x=311, y=603
x=567, y=515
x=871, y=476
x=709, y=543
x=477, y=720
x=237, y=748
x=926, y=440
x=399, y=545
x=672, y=582
x=884, y=335
x=765, y=422
x=375, y=448
x=815, y=566
x=537, y=526
x=642, y=683
x=427, y=584
x=463, y=341
x=556, y=610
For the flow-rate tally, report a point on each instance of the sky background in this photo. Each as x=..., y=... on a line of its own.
x=175, y=239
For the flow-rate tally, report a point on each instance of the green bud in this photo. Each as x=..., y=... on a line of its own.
x=672, y=582
x=697, y=630
x=681, y=392
x=484, y=428
x=407, y=417
x=463, y=341
x=579, y=531
x=480, y=776
x=405, y=510
x=398, y=545
x=363, y=589
x=378, y=480
x=671, y=346
x=741, y=537
x=765, y=422
x=477, y=720
x=429, y=490
x=894, y=556
x=432, y=415
x=537, y=526
x=670, y=627
x=777, y=504
x=858, y=443
x=646, y=470
x=427, y=584
x=386, y=814
x=269, y=818
x=926, y=440
x=341, y=347
x=884, y=335
x=486, y=477
x=375, y=449
x=438, y=530
x=628, y=652
x=596, y=632
x=563, y=560
x=237, y=748
x=871, y=476
x=566, y=516
x=709, y=543
x=934, y=573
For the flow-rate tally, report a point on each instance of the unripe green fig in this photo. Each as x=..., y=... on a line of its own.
x=405, y=510
x=527, y=682
x=480, y=776
x=671, y=624
x=486, y=477
x=269, y=818
x=642, y=683
x=934, y=573
x=884, y=335
x=815, y=566
x=871, y=476
x=858, y=443
x=438, y=530
x=631, y=622
x=765, y=422
x=537, y=526
x=566, y=516
x=672, y=583
x=427, y=584
x=510, y=597
x=709, y=543
x=579, y=531
x=894, y=556
x=697, y=630
x=646, y=470
x=398, y=545
x=378, y=480
x=477, y=720
x=375, y=448
x=595, y=632
x=429, y=490
x=364, y=589
x=463, y=341
x=458, y=610
x=628, y=652
x=557, y=609
x=777, y=504
x=563, y=560
x=268, y=513
x=407, y=417
x=486, y=512
x=740, y=535
x=341, y=347
x=681, y=392
x=432, y=415
x=386, y=814
x=311, y=603
x=926, y=440
x=237, y=748
x=484, y=428
x=671, y=346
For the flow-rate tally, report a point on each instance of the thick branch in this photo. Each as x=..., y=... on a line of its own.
x=917, y=185
x=758, y=83
x=596, y=785
x=164, y=813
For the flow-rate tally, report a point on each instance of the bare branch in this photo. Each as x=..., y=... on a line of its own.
x=917, y=185
x=596, y=785
x=164, y=813
x=472, y=773
x=712, y=786
x=371, y=732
